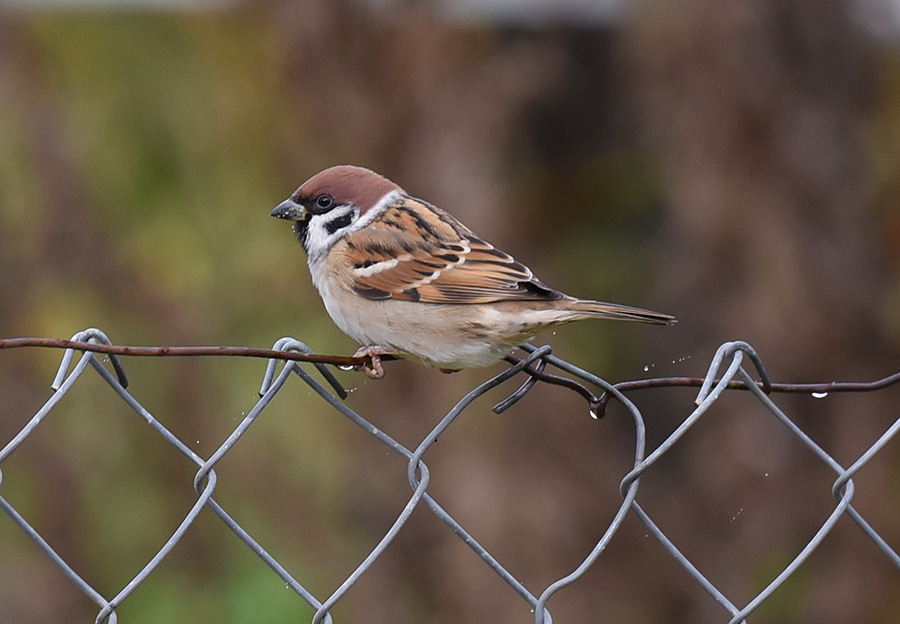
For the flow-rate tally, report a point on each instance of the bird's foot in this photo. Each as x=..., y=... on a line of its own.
x=373, y=368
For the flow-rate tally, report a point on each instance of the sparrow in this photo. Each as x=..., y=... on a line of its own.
x=406, y=279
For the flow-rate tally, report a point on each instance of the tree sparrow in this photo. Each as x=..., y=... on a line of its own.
x=404, y=278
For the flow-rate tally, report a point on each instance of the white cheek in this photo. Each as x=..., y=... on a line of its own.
x=319, y=239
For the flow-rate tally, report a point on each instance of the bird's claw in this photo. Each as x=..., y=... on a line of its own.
x=373, y=367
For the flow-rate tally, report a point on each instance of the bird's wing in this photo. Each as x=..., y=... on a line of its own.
x=417, y=252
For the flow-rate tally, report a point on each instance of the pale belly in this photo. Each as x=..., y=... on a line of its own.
x=449, y=336
x=446, y=336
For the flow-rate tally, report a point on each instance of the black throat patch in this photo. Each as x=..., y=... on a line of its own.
x=300, y=229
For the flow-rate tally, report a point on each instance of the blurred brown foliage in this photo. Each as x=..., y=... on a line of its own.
x=733, y=163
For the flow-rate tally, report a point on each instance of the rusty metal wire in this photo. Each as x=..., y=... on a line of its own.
x=730, y=359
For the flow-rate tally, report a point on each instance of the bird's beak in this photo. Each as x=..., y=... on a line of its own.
x=290, y=210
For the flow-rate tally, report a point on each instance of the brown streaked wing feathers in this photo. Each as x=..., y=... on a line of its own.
x=439, y=260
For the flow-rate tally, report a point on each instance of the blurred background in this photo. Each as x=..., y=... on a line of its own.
x=736, y=164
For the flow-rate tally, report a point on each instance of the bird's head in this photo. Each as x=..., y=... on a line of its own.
x=333, y=203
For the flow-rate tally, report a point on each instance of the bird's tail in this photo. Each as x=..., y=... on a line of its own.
x=599, y=309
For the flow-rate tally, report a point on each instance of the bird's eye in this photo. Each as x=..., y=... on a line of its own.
x=324, y=201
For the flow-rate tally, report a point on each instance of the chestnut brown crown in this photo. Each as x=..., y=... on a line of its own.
x=347, y=184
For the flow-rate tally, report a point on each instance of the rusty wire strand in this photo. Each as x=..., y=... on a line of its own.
x=536, y=372
x=181, y=351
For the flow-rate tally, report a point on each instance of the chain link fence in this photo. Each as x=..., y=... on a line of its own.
x=727, y=372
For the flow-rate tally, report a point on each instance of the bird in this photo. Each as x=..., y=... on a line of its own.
x=406, y=279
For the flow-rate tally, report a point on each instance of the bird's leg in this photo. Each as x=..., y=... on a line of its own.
x=373, y=368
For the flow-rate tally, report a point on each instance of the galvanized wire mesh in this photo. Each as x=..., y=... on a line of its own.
x=731, y=357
